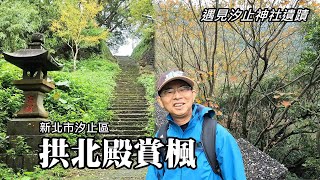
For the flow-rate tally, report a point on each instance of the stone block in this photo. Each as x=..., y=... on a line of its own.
x=25, y=161
x=24, y=126
x=32, y=140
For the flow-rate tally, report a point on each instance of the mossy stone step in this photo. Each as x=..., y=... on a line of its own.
x=123, y=136
x=130, y=102
x=144, y=105
x=130, y=94
x=124, y=98
x=125, y=118
x=128, y=132
x=129, y=122
x=136, y=106
x=129, y=91
x=126, y=108
x=130, y=111
x=128, y=127
x=133, y=115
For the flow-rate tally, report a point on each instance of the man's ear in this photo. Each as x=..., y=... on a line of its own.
x=194, y=94
x=160, y=101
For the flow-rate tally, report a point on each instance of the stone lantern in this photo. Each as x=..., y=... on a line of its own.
x=35, y=62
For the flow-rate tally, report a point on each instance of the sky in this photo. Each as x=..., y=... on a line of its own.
x=127, y=48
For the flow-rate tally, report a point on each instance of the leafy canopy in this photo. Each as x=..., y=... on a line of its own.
x=77, y=23
x=18, y=19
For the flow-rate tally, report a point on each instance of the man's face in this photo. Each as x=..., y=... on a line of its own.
x=177, y=98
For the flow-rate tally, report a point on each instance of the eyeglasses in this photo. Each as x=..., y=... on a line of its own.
x=170, y=92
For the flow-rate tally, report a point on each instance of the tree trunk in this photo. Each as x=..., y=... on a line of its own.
x=75, y=58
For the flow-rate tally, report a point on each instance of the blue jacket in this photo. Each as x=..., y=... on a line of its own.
x=227, y=150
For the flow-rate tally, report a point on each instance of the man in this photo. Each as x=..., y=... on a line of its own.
x=176, y=95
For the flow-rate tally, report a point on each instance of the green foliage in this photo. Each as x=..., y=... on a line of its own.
x=6, y=173
x=83, y=95
x=114, y=17
x=139, y=9
x=3, y=142
x=312, y=29
x=20, y=147
x=55, y=173
x=18, y=20
x=144, y=45
x=76, y=25
x=105, y=51
x=10, y=97
x=148, y=81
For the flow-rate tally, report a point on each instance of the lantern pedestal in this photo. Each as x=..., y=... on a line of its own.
x=34, y=91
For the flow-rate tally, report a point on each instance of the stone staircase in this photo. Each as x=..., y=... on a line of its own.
x=129, y=104
x=129, y=121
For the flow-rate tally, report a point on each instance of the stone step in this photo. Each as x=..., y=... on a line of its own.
x=125, y=108
x=130, y=102
x=137, y=106
x=123, y=136
x=123, y=98
x=130, y=77
x=142, y=105
x=128, y=127
x=128, y=81
x=129, y=90
x=139, y=94
x=136, y=119
x=130, y=111
x=131, y=115
x=129, y=97
x=128, y=132
x=132, y=82
x=129, y=122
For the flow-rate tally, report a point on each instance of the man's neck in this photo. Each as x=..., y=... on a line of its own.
x=181, y=121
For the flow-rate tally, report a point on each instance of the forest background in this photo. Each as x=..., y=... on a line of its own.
x=261, y=78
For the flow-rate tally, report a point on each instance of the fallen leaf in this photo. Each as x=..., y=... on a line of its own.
x=210, y=104
x=219, y=113
x=206, y=104
x=276, y=96
x=198, y=101
x=233, y=78
x=215, y=105
x=286, y=103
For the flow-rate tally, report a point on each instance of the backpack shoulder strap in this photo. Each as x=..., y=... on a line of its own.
x=162, y=135
x=208, y=138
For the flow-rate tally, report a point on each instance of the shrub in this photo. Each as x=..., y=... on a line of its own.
x=83, y=95
x=148, y=81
